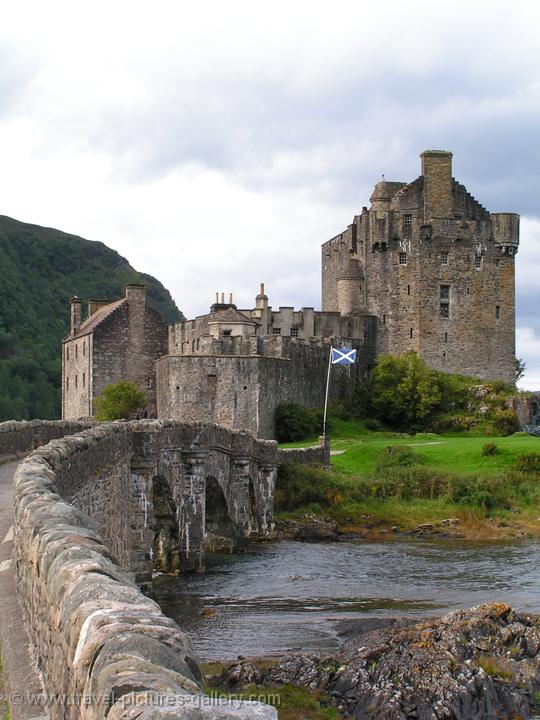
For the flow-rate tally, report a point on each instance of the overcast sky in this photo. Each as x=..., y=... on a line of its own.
x=218, y=144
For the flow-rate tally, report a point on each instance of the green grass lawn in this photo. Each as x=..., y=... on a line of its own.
x=456, y=453
x=515, y=502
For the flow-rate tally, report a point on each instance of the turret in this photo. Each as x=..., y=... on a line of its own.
x=506, y=232
x=383, y=193
x=349, y=289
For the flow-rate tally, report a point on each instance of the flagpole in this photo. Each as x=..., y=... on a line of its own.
x=327, y=386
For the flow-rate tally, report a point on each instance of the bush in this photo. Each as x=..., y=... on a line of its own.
x=301, y=485
x=404, y=391
x=396, y=456
x=528, y=463
x=505, y=422
x=294, y=422
x=120, y=400
x=489, y=448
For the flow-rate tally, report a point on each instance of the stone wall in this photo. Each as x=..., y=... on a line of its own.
x=243, y=392
x=317, y=455
x=99, y=641
x=20, y=437
x=94, y=633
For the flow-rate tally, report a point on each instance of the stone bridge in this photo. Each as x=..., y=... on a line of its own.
x=94, y=513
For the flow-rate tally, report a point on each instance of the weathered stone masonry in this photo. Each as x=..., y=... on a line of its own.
x=425, y=268
x=83, y=531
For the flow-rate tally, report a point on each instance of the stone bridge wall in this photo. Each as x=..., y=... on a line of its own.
x=95, y=634
x=20, y=437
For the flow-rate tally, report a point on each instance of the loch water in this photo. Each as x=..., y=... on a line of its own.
x=291, y=595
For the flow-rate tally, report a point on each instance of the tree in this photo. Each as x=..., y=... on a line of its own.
x=521, y=367
x=120, y=400
x=405, y=393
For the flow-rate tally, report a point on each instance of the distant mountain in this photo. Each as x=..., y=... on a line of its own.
x=40, y=270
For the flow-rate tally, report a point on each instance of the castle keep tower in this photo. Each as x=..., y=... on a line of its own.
x=435, y=268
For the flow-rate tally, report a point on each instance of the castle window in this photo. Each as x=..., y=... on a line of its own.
x=478, y=262
x=497, y=312
x=148, y=382
x=67, y=352
x=276, y=331
x=412, y=333
x=407, y=225
x=408, y=289
x=76, y=381
x=84, y=348
x=84, y=379
x=76, y=349
x=444, y=258
x=294, y=332
x=497, y=262
x=445, y=292
x=445, y=310
x=402, y=258
x=384, y=319
x=446, y=337
x=67, y=384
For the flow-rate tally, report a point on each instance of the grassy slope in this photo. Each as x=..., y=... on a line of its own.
x=40, y=270
x=454, y=453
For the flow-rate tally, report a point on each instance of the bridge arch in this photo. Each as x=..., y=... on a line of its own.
x=219, y=530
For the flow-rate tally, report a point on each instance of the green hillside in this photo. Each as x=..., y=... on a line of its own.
x=40, y=270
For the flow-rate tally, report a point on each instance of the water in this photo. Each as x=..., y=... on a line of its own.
x=289, y=595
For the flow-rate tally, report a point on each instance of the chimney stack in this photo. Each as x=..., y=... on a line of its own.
x=136, y=293
x=437, y=172
x=75, y=307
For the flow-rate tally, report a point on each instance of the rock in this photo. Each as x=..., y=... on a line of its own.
x=237, y=676
x=162, y=706
x=309, y=529
x=450, y=521
x=481, y=663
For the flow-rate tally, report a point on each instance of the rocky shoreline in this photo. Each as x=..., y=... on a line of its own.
x=481, y=663
x=310, y=528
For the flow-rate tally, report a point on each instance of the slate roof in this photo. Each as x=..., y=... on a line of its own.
x=91, y=323
x=230, y=315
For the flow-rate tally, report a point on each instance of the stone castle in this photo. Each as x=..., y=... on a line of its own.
x=425, y=268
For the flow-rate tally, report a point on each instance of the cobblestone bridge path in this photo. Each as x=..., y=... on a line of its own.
x=21, y=681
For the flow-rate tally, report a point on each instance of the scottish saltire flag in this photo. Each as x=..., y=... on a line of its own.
x=343, y=357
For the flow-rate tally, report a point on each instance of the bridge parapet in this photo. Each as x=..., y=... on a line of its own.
x=83, y=529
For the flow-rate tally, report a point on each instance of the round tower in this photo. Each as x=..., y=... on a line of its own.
x=350, y=289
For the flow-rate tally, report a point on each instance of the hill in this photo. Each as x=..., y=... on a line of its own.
x=40, y=270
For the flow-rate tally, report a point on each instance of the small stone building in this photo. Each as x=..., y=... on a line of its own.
x=425, y=268
x=117, y=341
